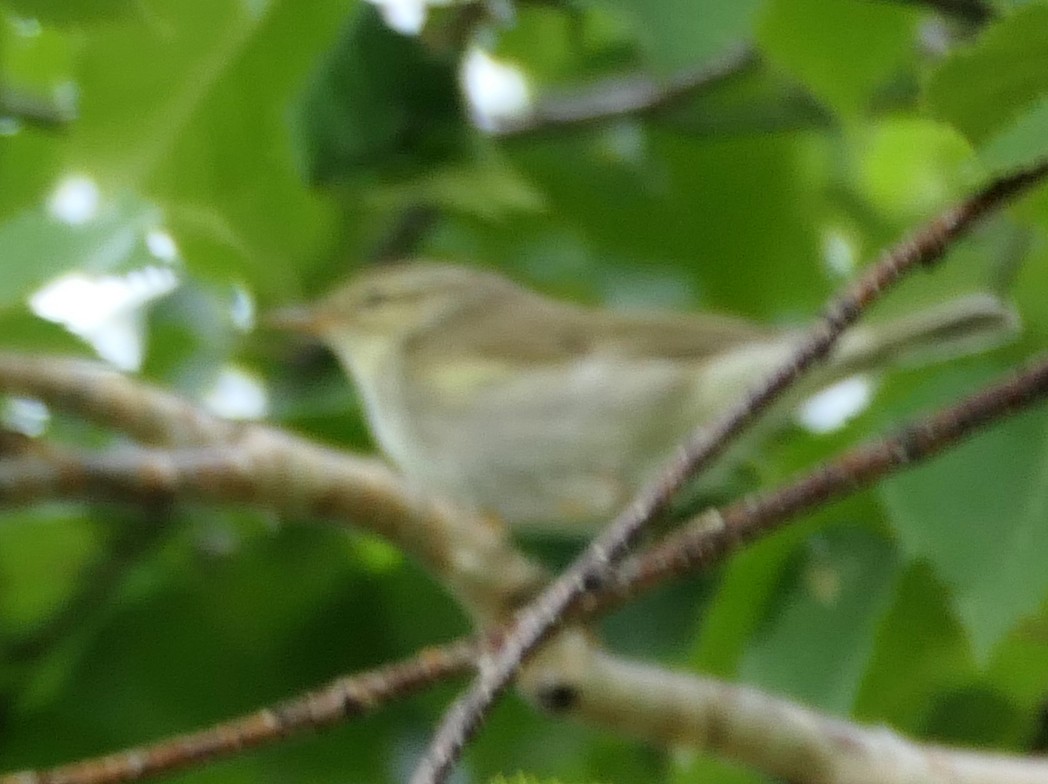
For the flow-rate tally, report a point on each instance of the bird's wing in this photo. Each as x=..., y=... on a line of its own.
x=681, y=336
x=536, y=331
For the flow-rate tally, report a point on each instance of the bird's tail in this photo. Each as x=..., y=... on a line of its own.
x=961, y=326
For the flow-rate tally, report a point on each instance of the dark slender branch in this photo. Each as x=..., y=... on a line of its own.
x=341, y=699
x=713, y=535
x=624, y=95
x=536, y=622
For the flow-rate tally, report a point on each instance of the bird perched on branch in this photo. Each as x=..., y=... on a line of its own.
x=549, y=413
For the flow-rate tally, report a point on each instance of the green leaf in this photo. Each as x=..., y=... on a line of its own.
x=553, y=45
x=31, y=545
x=910, y=167
x=142, y=80
x=189, y=103
x=749, y=585
x=64, y=12
x=920, y=649
x=692, y=768
x=1017, y=671
x=677, y=33
x=379, y=101
x=1021, y=143
x=25, y=331
x=38, y=246
x=36, y=71
x=843, y=51
x=977, y=515
x=27, y=161
x=984, y=87
x=523, y=778
x=817, y=646
x=977, y=715
x=487, y=189
x=703, y=209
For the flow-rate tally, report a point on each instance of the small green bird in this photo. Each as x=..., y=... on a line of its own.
x=549, y=413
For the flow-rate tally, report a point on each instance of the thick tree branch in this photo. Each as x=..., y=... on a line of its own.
x=102, y=395
x=540, y=618
x=263, y=467
x=775, y=736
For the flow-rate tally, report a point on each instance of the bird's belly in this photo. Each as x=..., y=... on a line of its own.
x=563, y=448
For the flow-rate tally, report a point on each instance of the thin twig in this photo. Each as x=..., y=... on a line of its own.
x=624, y=95
x=591, y=569
x=341, y=699
x=713, y=535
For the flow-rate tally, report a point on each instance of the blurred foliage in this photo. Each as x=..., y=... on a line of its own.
x=280, y=144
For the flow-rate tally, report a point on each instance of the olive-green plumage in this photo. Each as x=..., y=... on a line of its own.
x=546, y=412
